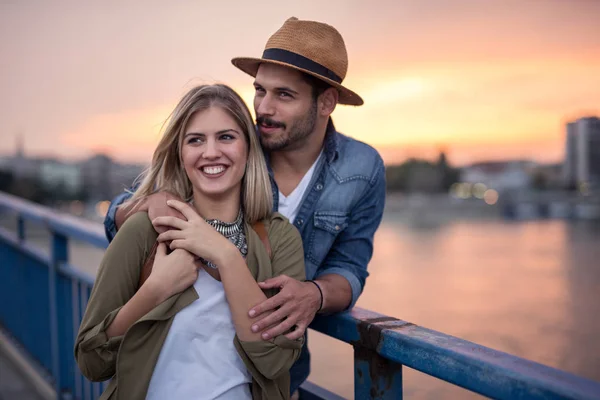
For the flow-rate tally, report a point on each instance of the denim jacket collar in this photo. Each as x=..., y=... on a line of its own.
x=331, y=142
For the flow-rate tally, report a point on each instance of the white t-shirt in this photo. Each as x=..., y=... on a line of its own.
x=198, y=359
x=290, y=205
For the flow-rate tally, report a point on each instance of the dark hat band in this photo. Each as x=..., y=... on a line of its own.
x=299, y=61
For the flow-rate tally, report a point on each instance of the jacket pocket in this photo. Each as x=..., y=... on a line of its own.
x=327, y=226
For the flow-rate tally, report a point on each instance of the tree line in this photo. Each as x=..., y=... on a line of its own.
x=417, y=175
x=413, y=175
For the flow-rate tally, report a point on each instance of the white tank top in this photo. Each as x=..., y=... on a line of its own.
x=198, y=359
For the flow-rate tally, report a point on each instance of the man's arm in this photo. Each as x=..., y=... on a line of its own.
x=343, y=274
x=155, y=205
x=336, y=292
x=340, y=278
x=115, y=216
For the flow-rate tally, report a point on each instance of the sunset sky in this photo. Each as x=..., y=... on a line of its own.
x=480, y=79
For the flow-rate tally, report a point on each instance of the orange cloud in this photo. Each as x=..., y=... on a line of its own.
x=467, y=103
x=486, y=108
x=126, y=135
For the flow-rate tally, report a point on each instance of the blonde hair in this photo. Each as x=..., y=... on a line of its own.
x=166, y=172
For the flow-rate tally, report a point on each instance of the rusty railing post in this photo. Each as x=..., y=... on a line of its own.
x=376, y=377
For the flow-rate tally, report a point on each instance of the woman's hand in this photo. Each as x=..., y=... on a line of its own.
x=194, y=235
x=172, y=273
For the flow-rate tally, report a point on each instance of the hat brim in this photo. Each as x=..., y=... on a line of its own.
x=250, y=66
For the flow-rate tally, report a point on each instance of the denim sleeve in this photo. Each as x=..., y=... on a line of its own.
x=353, y=248
x=110, y=228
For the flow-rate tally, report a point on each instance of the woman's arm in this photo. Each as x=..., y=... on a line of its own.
x=269, y=357
x=274, y=357
x=241, y=291
x=241, y=288
x=116, y=303
x=198, y=237
x=115, y=284
x=171, y=274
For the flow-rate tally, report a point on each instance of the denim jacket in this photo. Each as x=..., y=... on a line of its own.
x=339, y=214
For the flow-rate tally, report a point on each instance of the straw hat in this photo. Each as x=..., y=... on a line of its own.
x=314, y=48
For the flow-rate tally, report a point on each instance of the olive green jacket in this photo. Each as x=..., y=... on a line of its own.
x=130, y=359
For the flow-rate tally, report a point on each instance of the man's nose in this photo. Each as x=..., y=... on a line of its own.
x=265, y=106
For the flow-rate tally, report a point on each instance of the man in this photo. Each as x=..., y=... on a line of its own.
x=331, y=187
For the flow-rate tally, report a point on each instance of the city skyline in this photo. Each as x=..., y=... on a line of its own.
x=493, y=82
x=391, y=155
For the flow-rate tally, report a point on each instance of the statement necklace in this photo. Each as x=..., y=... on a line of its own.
x=234, y=231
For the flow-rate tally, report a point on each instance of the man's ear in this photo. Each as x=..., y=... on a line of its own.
x=328, y=101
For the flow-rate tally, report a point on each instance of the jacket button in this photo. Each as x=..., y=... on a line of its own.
x=319, y=186
x=299, y=221
x=337, y=227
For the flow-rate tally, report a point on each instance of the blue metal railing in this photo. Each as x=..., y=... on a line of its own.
x=42, y=299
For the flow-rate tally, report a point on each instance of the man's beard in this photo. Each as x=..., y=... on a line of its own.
x=299, y=131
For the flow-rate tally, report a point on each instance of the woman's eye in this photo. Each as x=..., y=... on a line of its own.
x=226, y=137
x=194, y=140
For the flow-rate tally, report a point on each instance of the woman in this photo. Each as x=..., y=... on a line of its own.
x=184, y=332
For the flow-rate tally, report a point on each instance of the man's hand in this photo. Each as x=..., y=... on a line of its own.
x=155, y=205
x=298, y=303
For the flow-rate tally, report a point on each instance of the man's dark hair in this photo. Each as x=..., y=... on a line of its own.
x=318, y=86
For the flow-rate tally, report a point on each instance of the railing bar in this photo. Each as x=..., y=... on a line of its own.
x=84, y=297
x=431, y=352
x=58, y=246
x=76, y=321
x=70, y=271
x=83, y=300
x=28, y=249
x=87, y=390
x=64, y=224
x=97, y=390
x=21, y=228
x=474, y=367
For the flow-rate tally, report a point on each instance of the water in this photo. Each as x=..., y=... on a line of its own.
x=527, y=288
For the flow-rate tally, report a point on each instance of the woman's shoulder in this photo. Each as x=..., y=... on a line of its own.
x=281, y=230
x=279, y=223
x=137, y=228
x=285, y=248
x=138, y=221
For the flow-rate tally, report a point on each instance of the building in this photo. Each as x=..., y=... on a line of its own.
x=96, y=175
x=6, y=163
x=102, y=178
x=569, y=166
x=95, y=179
x=23, y=167
x=501, y=176
x=59, y=175
x=582, y=153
